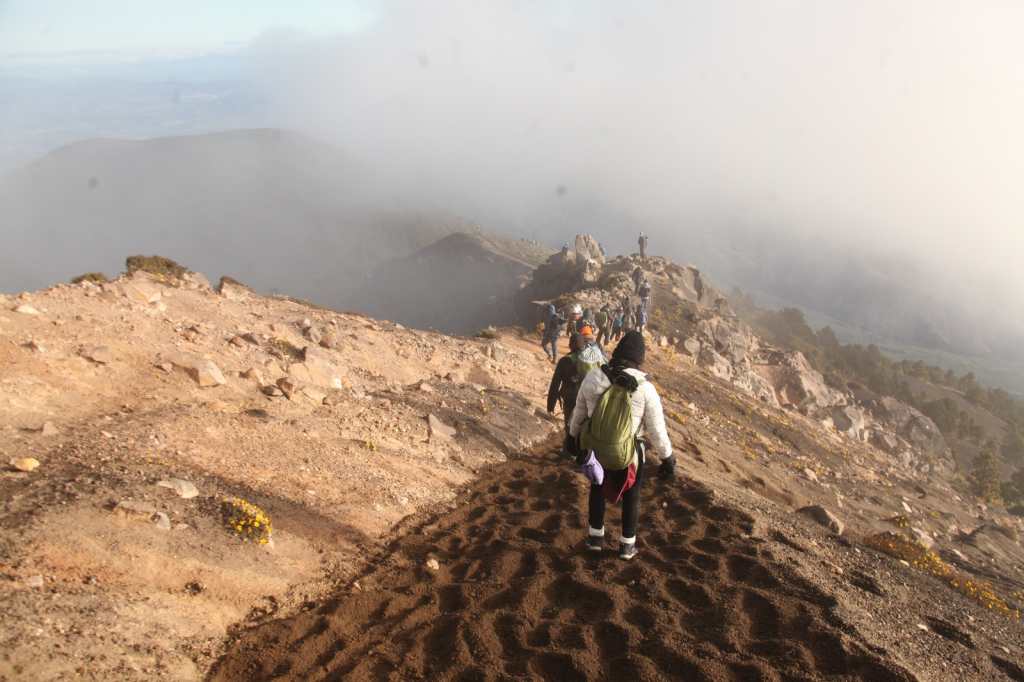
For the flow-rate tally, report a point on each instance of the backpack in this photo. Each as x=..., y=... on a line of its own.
x=601, y=318
x=587, y=359
x=609, y=432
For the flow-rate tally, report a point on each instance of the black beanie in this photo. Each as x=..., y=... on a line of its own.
x=630, y=348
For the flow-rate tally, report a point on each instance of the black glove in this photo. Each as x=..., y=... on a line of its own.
x=667, y=470
x=582, y=455
x=569, y=446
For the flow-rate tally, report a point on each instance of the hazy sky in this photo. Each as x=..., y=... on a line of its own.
x=42, y=27
x=867, y=125
x=886, y=124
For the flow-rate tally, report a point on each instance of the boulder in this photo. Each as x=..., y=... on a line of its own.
x=26, y=464
x=438, y=431
x=329, y=340
x=851, y=421
x=317, y=395
x=691, y=346
x=101, y=355
x=911, y=425
x=923, y=538
x=185, y=489
x=26, y=309
x=823, y=517
x=316, y=369
x=205, y=373
x=196, y=280
x=233, y=290
x=134, y=508
x=715, y=363
x=141, y=291
x=588, y=248
x=48, y=429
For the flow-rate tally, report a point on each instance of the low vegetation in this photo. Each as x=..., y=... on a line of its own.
x=846, y=365
x=94, y=277
x=247, y=521
x=924, y=559
x=157, y=266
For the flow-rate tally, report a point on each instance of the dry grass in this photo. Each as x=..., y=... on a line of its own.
x=94, y=277
x=158, y=266
x=923, y=559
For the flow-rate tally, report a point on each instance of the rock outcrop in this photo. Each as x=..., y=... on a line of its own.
x=699, y=323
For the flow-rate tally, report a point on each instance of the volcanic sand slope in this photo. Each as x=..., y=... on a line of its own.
x=515, y=596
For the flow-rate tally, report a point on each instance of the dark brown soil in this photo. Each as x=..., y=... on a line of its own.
x=517, y=598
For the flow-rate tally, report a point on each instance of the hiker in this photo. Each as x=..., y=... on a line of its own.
x=584, y=355
x=645, y=292
x=641, y=318
x=643, y=245
x=617, y=321
x=603, y=320
x=638, y=276
x=552, y=330
x=576, y=321
x=628, y=320
x=624, y=410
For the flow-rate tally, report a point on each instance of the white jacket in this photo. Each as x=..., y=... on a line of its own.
x=645, y=403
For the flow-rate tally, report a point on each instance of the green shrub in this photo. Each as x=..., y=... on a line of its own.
x=155, y=265
x=94, y=277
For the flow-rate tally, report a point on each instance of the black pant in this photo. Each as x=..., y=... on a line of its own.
x=630, y=503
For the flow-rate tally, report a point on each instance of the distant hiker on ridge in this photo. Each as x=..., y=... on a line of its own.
x=645, y=292
x=638, y=277
x=624, y=409
x=642, y=241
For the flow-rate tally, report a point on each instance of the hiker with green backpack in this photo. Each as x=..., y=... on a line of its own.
x=617, y=410
x=584, y=355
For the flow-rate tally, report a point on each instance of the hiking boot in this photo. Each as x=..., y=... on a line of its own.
x=627, y=550
x=595, y=543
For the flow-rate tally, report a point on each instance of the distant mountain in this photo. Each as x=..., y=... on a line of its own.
x=272, y=208
x=459, y=284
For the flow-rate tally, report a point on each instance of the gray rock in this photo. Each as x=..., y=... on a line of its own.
x=26, y=309
x=438, y=430
x=135, y=508
x=34, y=581
x=926, y=540
x=162, y=521
x=184, y=488
x=101, y=355
x=329, y=340
x=48, y=429
x=206, y=374
x=823, y=517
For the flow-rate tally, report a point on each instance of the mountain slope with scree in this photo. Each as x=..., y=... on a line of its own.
x=423, y=522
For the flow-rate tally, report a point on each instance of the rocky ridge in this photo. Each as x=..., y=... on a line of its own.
x=694, y=318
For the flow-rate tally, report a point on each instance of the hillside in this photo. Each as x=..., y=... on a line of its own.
x=423, y=522
x=270, y=207
x=459, y=284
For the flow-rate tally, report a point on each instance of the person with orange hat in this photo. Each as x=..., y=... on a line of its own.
x=583, y=357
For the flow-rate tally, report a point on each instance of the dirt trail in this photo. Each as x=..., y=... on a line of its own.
x=515, y=597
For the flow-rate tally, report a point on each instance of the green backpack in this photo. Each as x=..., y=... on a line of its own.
x=609, y=432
